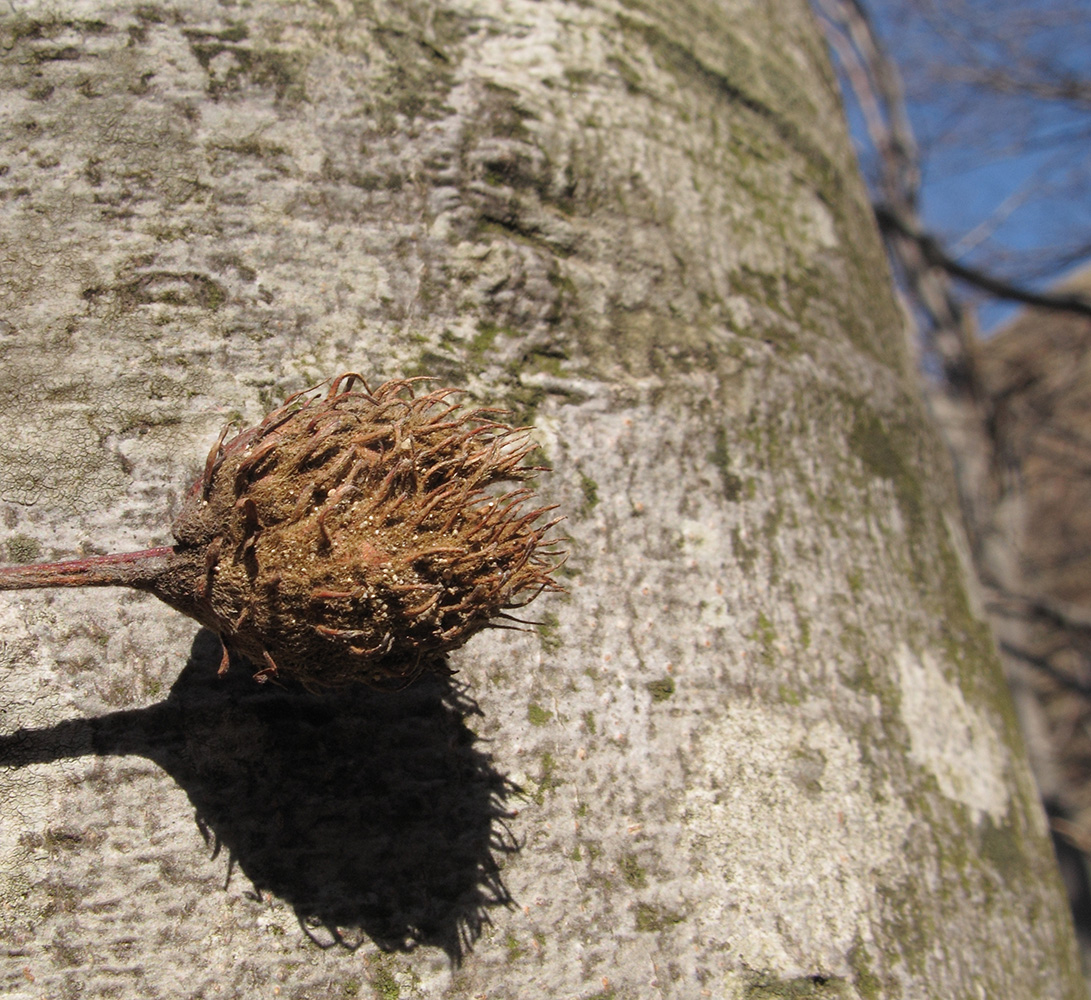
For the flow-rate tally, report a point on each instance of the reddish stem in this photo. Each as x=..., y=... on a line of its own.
x=124, y=569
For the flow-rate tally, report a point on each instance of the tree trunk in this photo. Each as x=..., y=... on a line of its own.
x=760, y=748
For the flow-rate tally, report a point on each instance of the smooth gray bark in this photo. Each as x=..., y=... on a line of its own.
x=761, y=748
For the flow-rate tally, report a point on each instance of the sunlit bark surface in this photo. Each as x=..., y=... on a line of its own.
x=759, y=748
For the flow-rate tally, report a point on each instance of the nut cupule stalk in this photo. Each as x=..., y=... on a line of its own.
x=124, y=569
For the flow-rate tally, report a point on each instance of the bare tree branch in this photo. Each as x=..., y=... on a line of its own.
x=1067, y=616
x=1043, y=665
x=891, y=220
x=1067, y=88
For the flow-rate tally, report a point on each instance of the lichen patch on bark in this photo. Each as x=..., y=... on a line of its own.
x=825, y=832
x=956, y=743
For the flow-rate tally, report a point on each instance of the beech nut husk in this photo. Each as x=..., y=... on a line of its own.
x=355, y=535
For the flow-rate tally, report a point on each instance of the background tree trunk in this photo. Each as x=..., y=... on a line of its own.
x=762, y=746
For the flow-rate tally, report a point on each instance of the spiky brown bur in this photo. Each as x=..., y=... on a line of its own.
x=351, y=537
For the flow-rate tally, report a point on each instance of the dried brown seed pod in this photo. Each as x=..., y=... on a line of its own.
x=350, y=536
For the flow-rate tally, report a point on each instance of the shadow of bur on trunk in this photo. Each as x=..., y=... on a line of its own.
x=373, y=814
